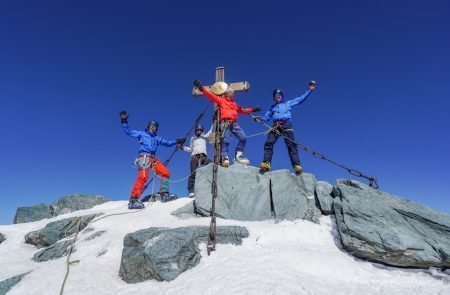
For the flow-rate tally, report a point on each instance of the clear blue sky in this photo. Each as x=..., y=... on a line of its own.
x=68, y=67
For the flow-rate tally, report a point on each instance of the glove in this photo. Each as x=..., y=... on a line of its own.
x=198, y=85
x=180, y=141
x=257, y=118
x=256, y=109
x=123, y=117
x=312, y=85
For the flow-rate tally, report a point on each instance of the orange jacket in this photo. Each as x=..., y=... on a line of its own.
x=229, y=109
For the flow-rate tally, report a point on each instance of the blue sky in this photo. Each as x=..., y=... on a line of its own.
x=68, y=67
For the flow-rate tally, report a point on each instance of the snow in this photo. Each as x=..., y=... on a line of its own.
x=277, y=258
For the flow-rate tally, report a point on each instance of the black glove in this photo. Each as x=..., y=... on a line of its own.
x=256, y=109
x=180, y=141
x=198, y=85
x=123, y=117
x=312, y=84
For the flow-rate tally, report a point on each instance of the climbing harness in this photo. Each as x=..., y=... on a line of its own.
x=275, y=128
x=166, y=162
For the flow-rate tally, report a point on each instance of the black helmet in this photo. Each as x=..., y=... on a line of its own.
x=199, y=127
x=277, y=91
x=154, y=123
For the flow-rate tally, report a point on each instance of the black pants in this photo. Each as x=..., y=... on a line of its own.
x=196, y=161
x=285, y=129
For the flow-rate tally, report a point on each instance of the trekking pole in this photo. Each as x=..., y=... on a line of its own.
x=166, y=162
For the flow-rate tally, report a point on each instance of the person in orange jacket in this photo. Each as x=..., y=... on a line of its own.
x=229, y=111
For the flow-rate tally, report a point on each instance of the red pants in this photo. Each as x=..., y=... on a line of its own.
x=142, y=179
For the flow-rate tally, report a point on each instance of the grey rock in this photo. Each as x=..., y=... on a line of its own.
x=63, y=205
x=74, y=202
x=55, y=251
x=324, y=192
x=380, y=227
x=57, y=230
x=162, y=254
x=2, y=238
x=33, y=213
x=7, y=284
x=244, y=194
x=293, y=196
x=185, y=212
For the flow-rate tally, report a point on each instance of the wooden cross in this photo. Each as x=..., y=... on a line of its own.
x=237, y=87
x=220, y=77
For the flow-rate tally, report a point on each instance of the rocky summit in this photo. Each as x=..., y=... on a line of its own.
x=381, y=227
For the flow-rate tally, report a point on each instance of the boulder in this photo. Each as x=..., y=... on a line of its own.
x=57, y=230
x=245, y=194
x=324, y=192
x=163, y=254
x=380, y=227
x=33, y=213
x=6, y=285
x=63, y=205
x=74, y=202
x=55, y=251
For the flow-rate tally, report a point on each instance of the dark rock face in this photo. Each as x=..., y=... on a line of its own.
x=66, y=204
x=2, y=238
x=57, y=230
x=33, y=213
x=163, y=254
x=6, y=285
x=380, y=227
x=244, y=194
x=70, y=203
x=324, y=192
x=55, y=251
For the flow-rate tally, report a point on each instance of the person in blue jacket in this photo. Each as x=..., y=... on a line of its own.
x=280, y=113
x=146, y=159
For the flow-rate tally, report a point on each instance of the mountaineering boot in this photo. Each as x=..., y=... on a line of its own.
x=191, y=195
x=240, y=159
x=265, y=166
x=225, y=162
x=166, y=197
x=298, y=169
x=134, y=203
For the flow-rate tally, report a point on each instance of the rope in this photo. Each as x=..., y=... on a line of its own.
x=261, y=133
x=184, y=178
x=372, y=180
x=69, y=263
x=78, y=223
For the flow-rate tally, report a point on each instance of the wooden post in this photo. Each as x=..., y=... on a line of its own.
x=237, y=87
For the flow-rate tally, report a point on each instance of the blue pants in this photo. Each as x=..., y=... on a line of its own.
x=286, y=130
x=232, y=128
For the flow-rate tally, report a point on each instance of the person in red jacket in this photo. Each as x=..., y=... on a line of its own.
x=229, y=111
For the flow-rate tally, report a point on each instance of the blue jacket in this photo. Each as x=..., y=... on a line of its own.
x=282, y=111
x=148, y=141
